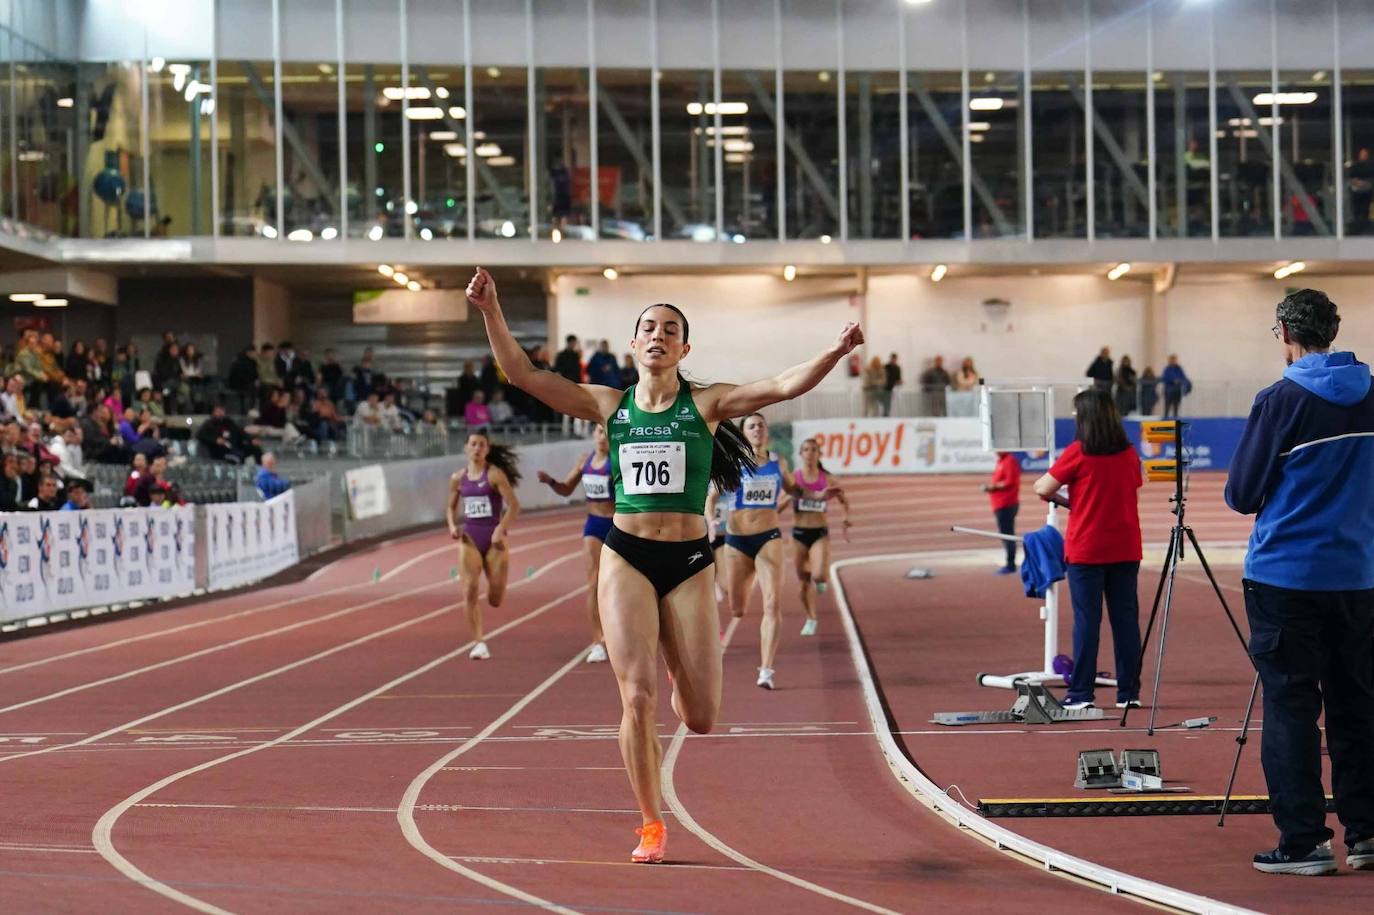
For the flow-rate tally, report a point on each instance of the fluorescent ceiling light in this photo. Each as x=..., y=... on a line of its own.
x=426, y=234
x=329, y=233
x=501, y=161
x=938, y=273
x=697, y=108
x=443, y=136
x=736, y=158
x=424, y=113
x=556, y=235
x=400, y=277
x=494, y=72
x=396, y=93
x=789, y=272
x=507, y=229
x=978, y=126
x=413, y=286
x=1285, y=98
x=51, y=303
x=207, y=107
x=269, y=232
x=457, y=150
x=27, y=296
x=375, y=233
x=385, y=270
x=1118, y=271
x=987, y=104
x=488, y=150
x=441, y=92
x=825, y=239
x=156, y=64
x=457, y=112
x=300, y=235
x=1289, y=269
x=738, y=146
x=729, y=130
x=610, y=273
x=66, y=102
x=412, y=208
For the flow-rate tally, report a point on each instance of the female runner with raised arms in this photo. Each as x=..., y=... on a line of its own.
x=485, y=491
x=810, y=532
x=655, y=589
x=753, y=542
x=594, y=473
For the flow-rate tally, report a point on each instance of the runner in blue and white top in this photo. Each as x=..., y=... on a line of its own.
x=594, y=473
x=753, y=543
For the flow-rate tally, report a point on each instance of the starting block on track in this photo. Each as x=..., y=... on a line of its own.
x=1034, y=705
x=1138, y=771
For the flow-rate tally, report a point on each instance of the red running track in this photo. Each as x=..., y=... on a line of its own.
x=326, y=745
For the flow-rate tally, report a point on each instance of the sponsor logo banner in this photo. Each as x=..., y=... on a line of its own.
x=367, y=493
x=249, y=541
x=53, y=561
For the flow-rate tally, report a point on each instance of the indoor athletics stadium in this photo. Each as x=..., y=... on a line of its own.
x=686, y=456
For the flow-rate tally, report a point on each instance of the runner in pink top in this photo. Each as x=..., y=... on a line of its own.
x=810, y=533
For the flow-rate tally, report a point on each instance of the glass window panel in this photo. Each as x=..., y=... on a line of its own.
x=501, y=142
x=811, y=112
x=247, y=148
x=1121, y=195
x=438, y=126
x=750, y=154
x=1244, y=119
x=373, y=122
x=45, y=123
x=112, y=139
x=1183, y=170
x=873, y=138
x=179, y=113
x=6, y=161
x=1059, y=168
x=564, y=150
x=1305, y=136
x=997, y=153
x=1357, y=102
x=937, y=174
x=688, y=167
x=310, y=149
x=625, y=154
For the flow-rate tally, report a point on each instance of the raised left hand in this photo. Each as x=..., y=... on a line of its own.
x=850, y=337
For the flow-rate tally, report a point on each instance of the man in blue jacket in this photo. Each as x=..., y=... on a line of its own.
x=1176, y=387
x=1305, y=466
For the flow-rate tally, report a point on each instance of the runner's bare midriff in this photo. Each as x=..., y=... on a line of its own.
x=746, y=521
x=669, y=527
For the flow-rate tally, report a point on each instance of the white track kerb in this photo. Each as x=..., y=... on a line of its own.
x=930, y=794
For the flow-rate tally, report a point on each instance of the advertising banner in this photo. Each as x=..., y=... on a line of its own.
x=249, y=541
x=367, y=494
x=955, y=444
x=53, y=561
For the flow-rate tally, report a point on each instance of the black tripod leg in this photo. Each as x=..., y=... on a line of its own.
x=1240, y=745
x=1197, y=549
x=1163, y=637
x=1154, y=609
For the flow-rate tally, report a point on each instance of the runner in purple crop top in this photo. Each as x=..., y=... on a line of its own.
x=478, y=494
x=594, y=473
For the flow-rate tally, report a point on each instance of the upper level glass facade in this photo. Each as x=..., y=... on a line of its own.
x=715, y=121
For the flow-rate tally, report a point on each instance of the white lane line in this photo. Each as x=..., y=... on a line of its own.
x=929, y=794
x=222, y=646
x=676, y=866
x=267, y=675
x=406, y=814
x=687, y=820
x=46, y=850
x=102, y=835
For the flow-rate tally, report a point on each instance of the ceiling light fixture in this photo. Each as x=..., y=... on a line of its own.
x=987, y=104
x=27, y=296
x=385, y=270
x=51, y=303
x=400, y=278
x=1118, y=271
x=610, y=273
x=1285, y=98
x=1288, y=270
x=789, y=272
x=938, y=273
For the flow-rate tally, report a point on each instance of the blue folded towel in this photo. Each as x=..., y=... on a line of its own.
x=1043, y=563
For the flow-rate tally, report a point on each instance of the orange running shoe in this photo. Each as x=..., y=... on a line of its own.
x=653, y=840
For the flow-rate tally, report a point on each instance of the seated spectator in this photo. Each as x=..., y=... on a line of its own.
x=368, y=414
x=391, y=414
x=136, y=426
x=154, y=488
x=332, y=375
x=36, y=444
x=101, y=442
x=28, y=469
x=46, y=498
x=268, y=376
x=138, y=467
x=500, y=409
x=78, y=399
x=78, y=361
x=115, y=402
x=243, y=377
x=67, y=449
x=477, y=414
x=363, y=380
x=78, y=496
x=268, y=481
x=61, y=406
x=328, y=425
x=13, y=492
x=274, y=420
x=150, y=404
x=225, y=440
x=429, y=420
x=12, y=402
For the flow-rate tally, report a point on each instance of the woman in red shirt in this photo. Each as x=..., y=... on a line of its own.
x=1004, y=492
x=1102, y=546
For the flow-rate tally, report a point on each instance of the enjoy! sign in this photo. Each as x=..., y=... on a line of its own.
x=944, y=445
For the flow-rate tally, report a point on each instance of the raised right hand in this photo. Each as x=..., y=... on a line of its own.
x=481, y=292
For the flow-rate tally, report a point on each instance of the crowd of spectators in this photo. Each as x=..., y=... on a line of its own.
x=1140, y=392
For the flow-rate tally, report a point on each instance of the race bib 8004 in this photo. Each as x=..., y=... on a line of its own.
x=596, y=486
x=759, y=492
x=653, y=468
x=476, y=507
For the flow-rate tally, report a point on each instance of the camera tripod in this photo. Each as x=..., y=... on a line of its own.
x=1181, y=534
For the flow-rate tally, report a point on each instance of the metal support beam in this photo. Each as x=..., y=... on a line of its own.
x=865, y=170
x=369, y=190
x=1104, y=133
x=946, y=134
x=329, y=192
x=794, y=143
x=1290, y=177
x=622, y=128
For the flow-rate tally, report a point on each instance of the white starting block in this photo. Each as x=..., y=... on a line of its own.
x=1034, y=705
